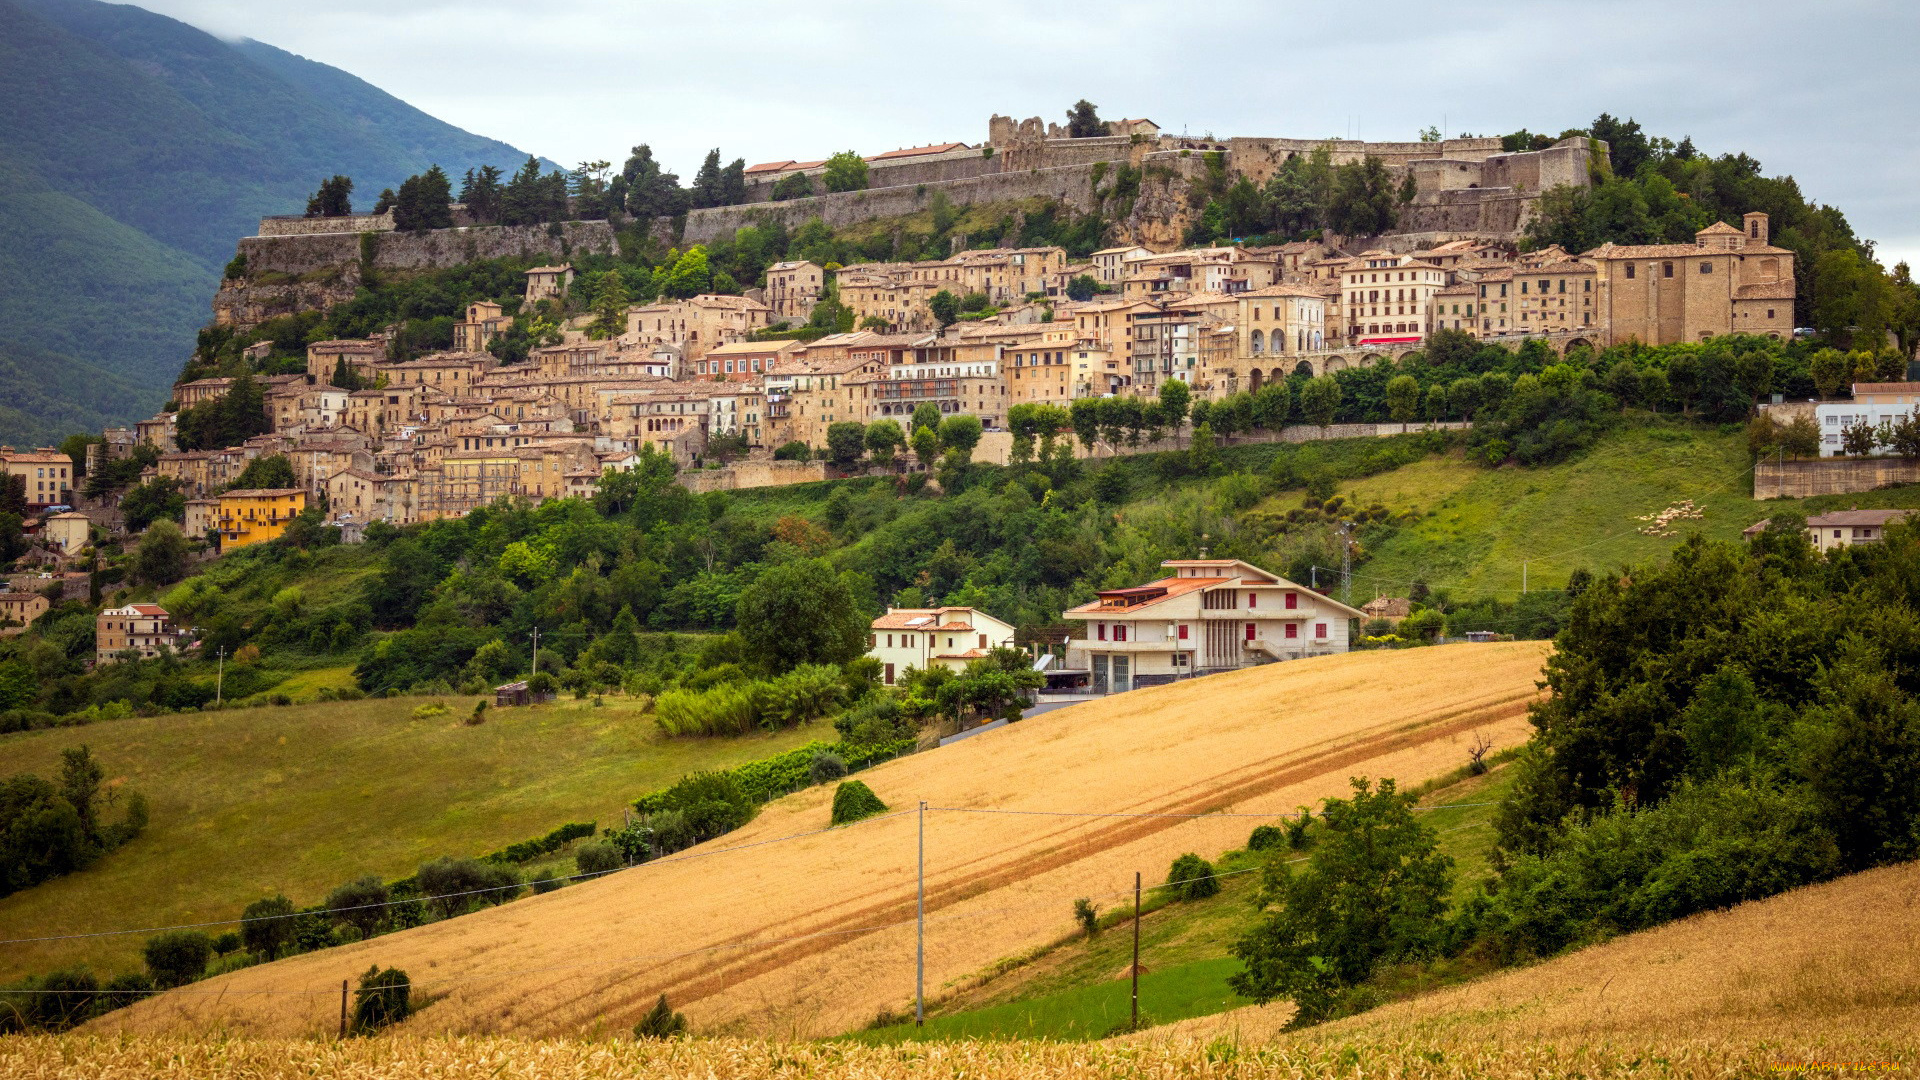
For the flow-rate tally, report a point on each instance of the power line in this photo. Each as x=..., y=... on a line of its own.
x=452, y=895
x=682, y=954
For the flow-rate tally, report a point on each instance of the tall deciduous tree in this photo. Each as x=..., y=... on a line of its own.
x=801, y=613
x=846, y=171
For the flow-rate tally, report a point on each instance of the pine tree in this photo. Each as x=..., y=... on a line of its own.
x=610, y=303
x=733, y=183
x=334, y=199
x=649, y=191
x=480, y=194
x=706, y=182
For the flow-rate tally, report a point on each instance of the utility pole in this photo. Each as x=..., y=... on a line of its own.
x=343, y=1008
x=220, y=676
x=920, y=923
x=536, y=650
x=1135, y=1025
x=1346, y=564
x=1523, y=577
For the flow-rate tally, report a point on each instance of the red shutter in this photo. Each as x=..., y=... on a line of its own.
x=1293, y=630
x=1249, y=631
x=1253, y=600
x=1293, y=601
x=1183, y=631
x=1101, y=630
x=1319, y=629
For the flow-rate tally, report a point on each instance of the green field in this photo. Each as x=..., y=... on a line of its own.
x=250, y=802
x=1479, y=526
x=1078, y=989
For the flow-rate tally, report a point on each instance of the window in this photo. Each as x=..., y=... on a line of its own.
x=1666, y=269
x=1120, y=632
x=1249, y=631
x=1253, y=600
x=983, y=641
x=1181, y=633
x=1293, y=630
x=1706, y=268
x=1320, y=630
x=1630, y=269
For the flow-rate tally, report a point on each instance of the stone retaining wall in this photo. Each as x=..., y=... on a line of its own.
x=1831, y=476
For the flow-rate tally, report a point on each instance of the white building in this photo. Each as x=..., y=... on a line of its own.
x=922, y=638
x=1873, y=404
x=1211, y=615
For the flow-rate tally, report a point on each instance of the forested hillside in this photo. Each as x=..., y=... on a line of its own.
x=133, y=150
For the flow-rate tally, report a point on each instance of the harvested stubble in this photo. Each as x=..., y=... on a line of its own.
x=1826, y=973
x=787, y=929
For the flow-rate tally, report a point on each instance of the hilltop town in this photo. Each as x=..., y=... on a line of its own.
x=736, y=379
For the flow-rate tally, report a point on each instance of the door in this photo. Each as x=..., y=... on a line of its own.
x=1122, y=680
x=1099, y=673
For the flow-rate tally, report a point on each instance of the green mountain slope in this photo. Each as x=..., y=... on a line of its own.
x=134, y=149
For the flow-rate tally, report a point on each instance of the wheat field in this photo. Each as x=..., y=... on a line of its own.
x=813, y=936
x=1821, y=981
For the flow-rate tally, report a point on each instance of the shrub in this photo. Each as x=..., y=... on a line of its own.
x=360, y=904
x=548, y=878
x=826, y=767
x=854, y=800
x=226, y=943
x=479, y=714
x=266, y=926
x=1266, y=838
x=64, y=998
x=126, y=988
x=451, y=885
x=384, y=997
x=1297, y=836
x=1191, y=878
x=177, y=957
x=661, y=1022
x=533, y=849
x=430, y=710
x=598, y=857
x=1087, y=916
x=1372, y=893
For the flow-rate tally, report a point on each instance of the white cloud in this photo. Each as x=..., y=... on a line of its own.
x=1822, y=91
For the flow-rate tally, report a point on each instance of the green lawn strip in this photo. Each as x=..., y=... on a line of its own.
x=1479, y=525
x=295, y=800
x=1086, y=1012
x=1066, y=991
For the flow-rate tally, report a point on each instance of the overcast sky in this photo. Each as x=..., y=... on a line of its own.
x=1826, y=91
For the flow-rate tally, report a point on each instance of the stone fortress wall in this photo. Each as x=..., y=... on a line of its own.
x=1467, y=188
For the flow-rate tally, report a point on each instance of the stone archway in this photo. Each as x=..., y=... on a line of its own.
x=1333, y=364
x=1304, y=367
x=1577, y=343
x=1371, y=359
x=1254, y=381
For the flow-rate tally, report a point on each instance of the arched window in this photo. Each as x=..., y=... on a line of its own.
x=1259, y=343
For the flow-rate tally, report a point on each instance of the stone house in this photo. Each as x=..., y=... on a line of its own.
x=361, y=357
x=1389, y=298
x=47, y=472
x=18, y=609
x=483, y=323
x=545, y=282
x=793, y=288
x=697, y=324
x=745, y=360
x=1727, y=281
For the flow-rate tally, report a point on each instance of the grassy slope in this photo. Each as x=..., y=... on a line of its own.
x=296, y=800
x=1479, y=524
x=1079, y=989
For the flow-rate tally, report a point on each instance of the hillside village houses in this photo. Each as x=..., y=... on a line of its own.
x=444, y=433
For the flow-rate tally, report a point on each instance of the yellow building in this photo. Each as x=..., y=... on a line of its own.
x=256, y=515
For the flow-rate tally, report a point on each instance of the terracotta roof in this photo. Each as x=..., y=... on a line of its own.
x=1281, y=290
x=1840, y=518
x=562, y=268
x=1564, y=266
x=769, y=166
x=148, y=609
x=1173, y=586
x=1650, y=251
x=918, y=151
x=262, y=493
x=1719, y=228
x=1886, y=388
